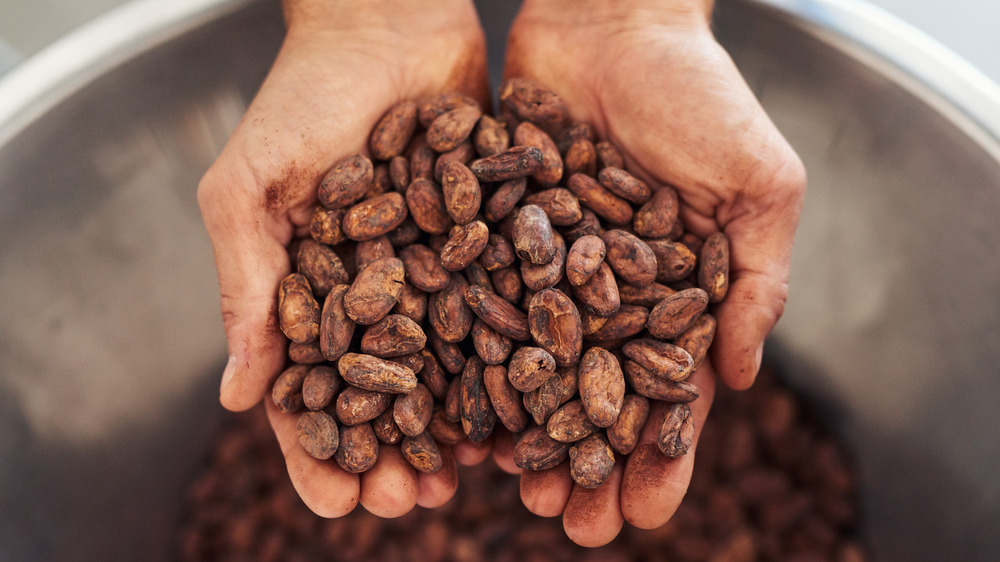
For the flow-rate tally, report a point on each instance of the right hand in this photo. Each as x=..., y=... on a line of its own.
x=341, y=66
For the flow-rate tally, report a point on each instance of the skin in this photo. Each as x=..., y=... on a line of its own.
x=647, y=74
x=651, y=78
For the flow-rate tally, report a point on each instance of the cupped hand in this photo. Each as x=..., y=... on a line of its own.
x=341, y=66
x=650, y=77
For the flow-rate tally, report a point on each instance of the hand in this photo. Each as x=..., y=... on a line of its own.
x=650, y=77
x=340, y=68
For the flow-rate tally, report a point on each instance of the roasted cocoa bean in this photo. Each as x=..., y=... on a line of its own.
x=370, y=250
x=451, y=128
x=412, y=412
x=591, y=461
x=629, y=257
x=399, y=174
x=559, y=204
x=298, y=311
x=649, y=385
x=336, y=327
x=506, y=400
x=515, y=162
x=306, y=353
x=462, y=194
x=358, y=450
x=529, y=101
x=499, y=314
x=320, y=386
x=385, y=428
x=422, y=452
x=627, y=322
x=321, y=266
x=599, y=199
x=392, y=336
x=375, y=291
x=464, y=245
x=377, y=374
x=555, y=325
x=581, y=158
x=570, y=423
x=713, y=270
x=623, y=435
x=426, y=204
x=674, y=260
x=551, y=171
x=658, y=216
x=286, y=393
x=478, y=416
x=530, y=367
x=492, y=347
x=599, y=294
x=602, y=386
x=533, y=237
x=356, y=405
x=504, y=199
x=584, y=258
x=499, y=253
x=346, y=182
x=536, y=450
x=374, y=217
x=393, y=131
x=675, y=314
x=318, y=434
x=325, y=225
x=677, y=431
x=491, y=137
x=660, y=358
x=412, y=303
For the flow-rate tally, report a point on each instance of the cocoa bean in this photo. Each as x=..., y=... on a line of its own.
x=584, y=258
x=570, y=423
x=623, y=435
x=658, y=216
x=677, y=431
x=713, y=271
x=535, y=450
x=462, y=195
x=374, y=217
x=491, y=137
x=422, y=453
x=675, y=314
x=464, y=245
x=591, y=461
x=551, y=171
x=373, y=373
x=602, y=386
x=660, y=358
x=599, y=199
x=321, y=266
x=630, y=258
x=346, y=182
x=426, y=204
x=506, y=400
x=478, y=416
x=318, y=434
x=286, y=393
x=412, y=412
x=394, y=130
x=533, y=237
x=385, y=428
x=451, y=128
x=356, y=405
x=555, y=325
x=336, y=328
x=392, y=336
x=298, y=311
x=358, y=450
x=674, y=260
x=492, y=347
x=375, y=291
x=320, y=386
x=515, y=162
x=448, y=313
x=499, y=314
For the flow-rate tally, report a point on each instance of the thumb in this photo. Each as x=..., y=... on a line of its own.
x=251, y=261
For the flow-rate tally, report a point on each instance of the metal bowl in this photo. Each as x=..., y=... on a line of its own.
x=111, y=343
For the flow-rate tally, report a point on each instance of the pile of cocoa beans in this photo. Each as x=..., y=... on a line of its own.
x=770, y=484
x=475, y=271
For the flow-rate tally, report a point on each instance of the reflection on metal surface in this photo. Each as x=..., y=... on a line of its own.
x=111, y=343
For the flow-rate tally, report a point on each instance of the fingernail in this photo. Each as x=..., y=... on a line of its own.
x=228, y=374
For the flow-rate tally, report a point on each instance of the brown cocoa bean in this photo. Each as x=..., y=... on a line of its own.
x=533, y=237
x=608, y=156
x=358, y=450
x=581, y=158
x=478, y=416
x=412, y=412
x=588, y=225
x=433, y=375
x=570, y=423
x=625, y=185
x=599, y=199
x=507, y=283
x=321, y=266
x=630, y=258
x=318, y=434
x=599, y=294
x=584, y=259
x=627, y=322
x=453, y=402
x=499, y=314
x=298, y=311
x=374, y=217
x=462, y=195
x=530, y=367
x=320, y=386
x=412, y=303
x=394, y=130
x=602, y=386
x=490, y=137
x=576, y=132
x=375, y=291
x=414, y=361
x=554, y=392
x=623, y=435
x=423, y=268
x=336, y=328
x=436, y=105
x=507, y=400
x=421, y=159
x=554, y=322
x=590, y=323
x=306, y=353
x=385, y=428
x=551, y=171
x=658, y=216
x=515, y=162
x=677, y=431
x=448, y=313
x=451, y=128
x=660, y=358
x=499, y=253
x=426, y=204
x=591, y=461
x=370, y=250
x=422, y=453
x=535, y=450
x=462, y=154
x=542, y=276
x=713, y=270
x=377, y=374
x=675, y=314
x=656, y=388
x=464, y=245
x=381, y=182
x=325, y=225
x=559, y=204
x=392, y=336
x=647, y=297
x=286, y=393
x=356, y=405
x=399, y=173
x=346, y=182
x=529, y=101
x=674, y=260
x=449, y=354
x=492, y=347
x=444, y=431
x=697, y=339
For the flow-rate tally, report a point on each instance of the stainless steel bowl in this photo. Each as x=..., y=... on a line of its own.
x=111, y=344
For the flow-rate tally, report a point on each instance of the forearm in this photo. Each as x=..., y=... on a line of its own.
x=585, y=12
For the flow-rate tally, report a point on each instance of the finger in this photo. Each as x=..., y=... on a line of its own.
x=503, y=451
x=434, y=490
x=469, y=453
x=327, y=489
x=593, y=516
x=251, y=260
x=654, y=485
x=389, y=489
x=546, y=492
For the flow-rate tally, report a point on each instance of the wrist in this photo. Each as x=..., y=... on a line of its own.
x=401, y=17
x=645, y=12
